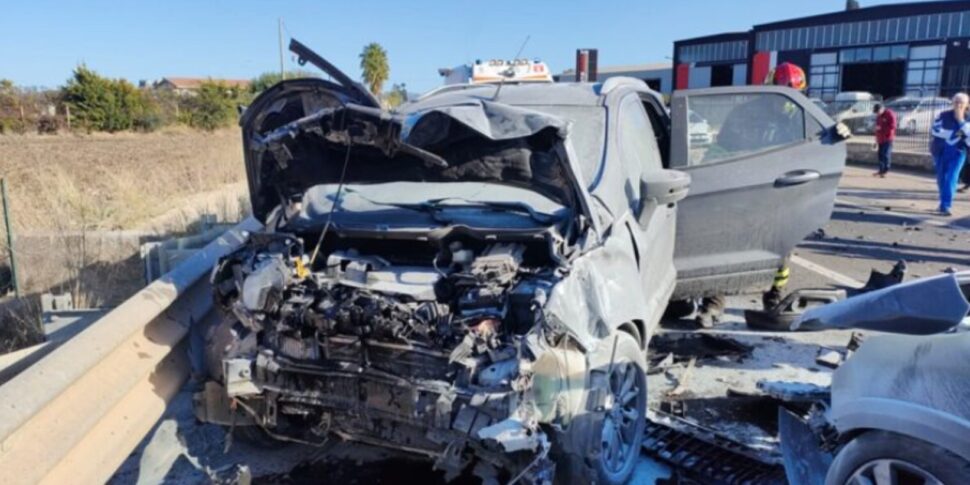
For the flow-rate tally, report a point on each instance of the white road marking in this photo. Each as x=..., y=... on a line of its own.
x=826, y=272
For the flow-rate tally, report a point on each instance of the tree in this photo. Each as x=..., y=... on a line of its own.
x=9, y=106
x=268, y=79
x=851, y=4
x=213, y=106
x=374, y=68
x=397, y=95
x=102, y=104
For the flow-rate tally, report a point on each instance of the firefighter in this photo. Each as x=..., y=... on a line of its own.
x=785, y=74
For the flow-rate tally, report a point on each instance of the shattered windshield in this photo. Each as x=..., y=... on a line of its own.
x=587, y=135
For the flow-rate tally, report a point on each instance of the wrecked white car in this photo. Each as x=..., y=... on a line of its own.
x=897, y=409
x=472, y=278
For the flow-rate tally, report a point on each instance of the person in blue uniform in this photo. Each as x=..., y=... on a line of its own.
x=951, y=130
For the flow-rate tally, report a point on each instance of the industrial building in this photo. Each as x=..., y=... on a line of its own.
x=658, y=76
x=918, y=49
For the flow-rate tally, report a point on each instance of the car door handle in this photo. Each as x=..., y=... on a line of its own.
x=797, y=177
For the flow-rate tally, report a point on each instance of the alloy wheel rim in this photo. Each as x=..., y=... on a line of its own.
x=889, y=471
x=620, y=423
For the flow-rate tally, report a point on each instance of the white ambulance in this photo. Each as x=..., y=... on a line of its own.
x=496, y=71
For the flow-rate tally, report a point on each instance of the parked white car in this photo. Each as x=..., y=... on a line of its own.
x=852, y=108
x=699, y=129
x=913, y=115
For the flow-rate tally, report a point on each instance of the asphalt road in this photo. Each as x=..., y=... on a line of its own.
x=876, y=222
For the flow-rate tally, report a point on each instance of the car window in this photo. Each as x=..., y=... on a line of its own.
x=742, y=124
x=639, y=152
x=587, y=135
x=636, y=135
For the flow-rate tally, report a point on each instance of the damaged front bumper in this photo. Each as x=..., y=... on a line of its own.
x=474, y=382
x=452, y=424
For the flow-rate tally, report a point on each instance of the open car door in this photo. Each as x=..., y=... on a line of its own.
x=765, y=164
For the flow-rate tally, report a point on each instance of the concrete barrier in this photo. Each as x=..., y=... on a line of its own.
x=864, y=153
x=75, y=415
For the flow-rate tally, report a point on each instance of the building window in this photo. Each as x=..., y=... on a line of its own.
x=873, y=54
x=714, y=52
x=925, y=70
x=823, y=80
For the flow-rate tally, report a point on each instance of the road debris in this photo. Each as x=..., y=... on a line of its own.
x=793, y=391
x=687, y=346
x=684, y=380
x=782, y=315
x=921, y=307
x=829, y=358
x=708, y=456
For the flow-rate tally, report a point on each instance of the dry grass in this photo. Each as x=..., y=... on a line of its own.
x=66, y=190
x=112, y=181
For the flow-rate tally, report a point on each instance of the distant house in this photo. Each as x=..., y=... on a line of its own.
x=189, y=85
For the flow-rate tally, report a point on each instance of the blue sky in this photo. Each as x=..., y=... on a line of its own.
x=42, y=40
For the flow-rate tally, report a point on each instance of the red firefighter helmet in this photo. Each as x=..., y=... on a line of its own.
x=788, y=74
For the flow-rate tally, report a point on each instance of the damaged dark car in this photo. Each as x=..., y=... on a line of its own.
x=472, y=278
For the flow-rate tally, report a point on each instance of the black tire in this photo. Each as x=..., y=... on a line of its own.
x=587, y=457
x=910, y=457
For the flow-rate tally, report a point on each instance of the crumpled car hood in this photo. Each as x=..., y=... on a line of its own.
x=289, y=127
x=919, y=307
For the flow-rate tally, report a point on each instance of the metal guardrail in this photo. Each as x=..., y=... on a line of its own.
x=74, y=416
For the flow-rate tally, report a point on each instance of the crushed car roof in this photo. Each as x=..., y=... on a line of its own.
x=561, y=94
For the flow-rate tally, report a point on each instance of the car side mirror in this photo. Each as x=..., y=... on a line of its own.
x=664, y=187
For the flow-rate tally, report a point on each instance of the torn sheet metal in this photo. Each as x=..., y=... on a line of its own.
x=920, y=307
x=495, y=121
x=805, y=461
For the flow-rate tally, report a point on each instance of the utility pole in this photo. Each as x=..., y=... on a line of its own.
x=279, y=30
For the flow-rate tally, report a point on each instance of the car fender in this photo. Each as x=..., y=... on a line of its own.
x=600, y=292
x=927, y=424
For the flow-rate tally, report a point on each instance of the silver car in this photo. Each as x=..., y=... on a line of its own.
x=474, y=277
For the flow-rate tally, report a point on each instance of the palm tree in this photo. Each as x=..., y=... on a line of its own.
x=373, y=64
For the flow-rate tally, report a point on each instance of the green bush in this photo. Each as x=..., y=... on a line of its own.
x=213, y=106
x=9, y=111
x=101, y=104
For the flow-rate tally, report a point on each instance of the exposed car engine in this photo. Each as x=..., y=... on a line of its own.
x=433, y=356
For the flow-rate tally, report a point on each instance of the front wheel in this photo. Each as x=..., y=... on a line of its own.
x=884, y=458
x=605, y=449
